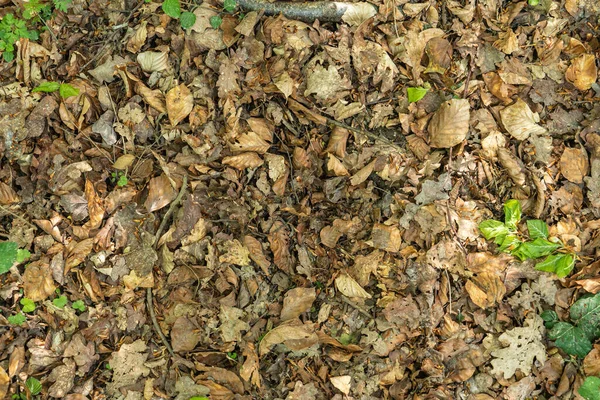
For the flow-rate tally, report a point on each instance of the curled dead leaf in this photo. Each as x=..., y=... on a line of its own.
x=180, y=103
x=8, y=195
x=335, y=166
x=160, y=193
x=582, y=72
x=297, y=301
x=350, y=288
x=450, y=124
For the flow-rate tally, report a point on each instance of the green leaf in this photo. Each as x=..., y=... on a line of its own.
x=491, y=228
x=537, y=248
x=590, y=389
x=585, y=312
x=215, y=21
x=229, y=5
x=34, y=386
x=550, y=318
x=122, y=181
x=187, y=19
x=60, y=301
x=8, y=255
x=416, y=93
x=533, y=3
x=28, y=304
x=67, y=91
x=537, y=229
x=509, y=244
x=23, y=255
x=512, y=213
x=17, y=319
x=199, y=398
x=571, y=339
x=8, y=56
x=559, y=264
x=78, y=305
x=172, y=8
x=47, y=87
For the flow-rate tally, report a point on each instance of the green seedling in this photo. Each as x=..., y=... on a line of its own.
x=28, y=305
x=17, y=319
x=60, y=301
x=79, y=305
x=536, y=244
x=64, y=89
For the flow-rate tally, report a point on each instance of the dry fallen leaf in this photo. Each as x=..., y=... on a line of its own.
x=350, y=288
x=180, y=103
x=4, y=383
x=152, y=61
x=160, y=193
x=297, y=301
x=450, y=124
x=8, y=195
x=486, y=289
x=244, y=160
x=293, y=333
x=386, y=237
x=582, y=72
x=124, y=162
x=574, y=164
x=341, y=383
x=38, y=283
x=520, y=121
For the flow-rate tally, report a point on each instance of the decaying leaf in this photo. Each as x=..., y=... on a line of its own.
x=582, y=72
x=450, y=124
x=180, y=103
x=297, y=301
x=520, y=121
x=486, y=289
x=38, y=283
x=244, y=160
x=293, y=333
x=386, y=237
x=152, y=61
x=574, y=164
x=350, y=288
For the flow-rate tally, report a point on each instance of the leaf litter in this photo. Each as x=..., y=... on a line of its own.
x=326, y=245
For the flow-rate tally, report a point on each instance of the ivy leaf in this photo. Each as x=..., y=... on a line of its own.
x=536, y=249
x=585, y=312
x=229, y=5
x=215, y=21
x=34, y=386
x=47, y=87
x=537, y=229
x=416, y=93
x=491, y=228
x=512, y=213
x=17, y=319
x=172, y=8
x=571, y=339
x=187, y=19
x=590, y=389
x=28, y=305
x=559, y=264
x=67, y=90
x=60, y=301
x=8, y=255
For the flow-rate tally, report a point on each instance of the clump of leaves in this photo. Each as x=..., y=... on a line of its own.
x=173, y=9
x=120, y=178
x=537, y=244
x=216, y=20
x=78, y=305
x=64, y=89
x=576, y=337
x=590, y=389
x=11, y=30
x=9, y=254
x=17, y=319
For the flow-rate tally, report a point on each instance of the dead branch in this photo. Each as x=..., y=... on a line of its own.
x=324, y=11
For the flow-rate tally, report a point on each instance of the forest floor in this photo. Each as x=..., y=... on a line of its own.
x=404, y=204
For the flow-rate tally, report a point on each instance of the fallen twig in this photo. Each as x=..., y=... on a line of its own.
x=149, y=296
x=324, y=11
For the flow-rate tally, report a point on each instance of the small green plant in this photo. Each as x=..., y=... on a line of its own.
x=576, y=337
x=64, y=89
x=119, y=178
x=590, y=389
x=507, y=236
x=60, y=301
x=216, y=20
x=417, y=93
x=78, y=305
x=11, y=254
x=11, y=30
x=34, y=386
x=173, y=9
x=199, y=398
x=28, y=305
x=17, y=319
x=533, y=3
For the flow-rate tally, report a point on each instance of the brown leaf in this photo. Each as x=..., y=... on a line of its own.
x=350, y=288
x=337, y=142
x=250, y=141
x=4, y=383
x=38, y=284
x=160, y=193
x=154, y=98
x=235, y=253
x=297, y=301
x=76, y=252
x=124, y=162
x=184, y=335
x=574, y=164
x=16, y=361
x=582, y=72
x=386, y=237
x=520, y=121
x=256, y=253
x=94, y=206
x=8, y=195
x=250, y=370
x=180, y=103
x=243, y=161
x=486, y=289
x=450, y=124
x=278, y=238
x=341, y=383
x=292, y=333
x=591, y=362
